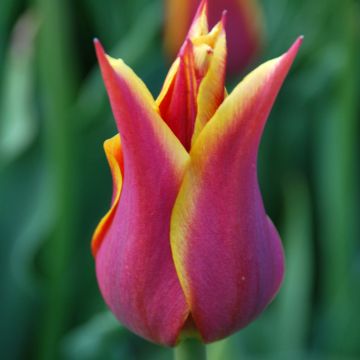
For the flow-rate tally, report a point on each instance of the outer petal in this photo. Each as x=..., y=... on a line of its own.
x=134, y=265
x=227, y=253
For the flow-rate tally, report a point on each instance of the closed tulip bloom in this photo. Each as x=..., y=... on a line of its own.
x=244, y=28
x=186, y=247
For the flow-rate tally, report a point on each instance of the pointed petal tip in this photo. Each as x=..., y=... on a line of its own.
x=202, y=10
x=296, y=45
x=289, y=56
x=97, y=43
x=199, y=25
x=223, y=17
x=203, y=7
x=100, y=52
x=299, y=40
x=222, y=21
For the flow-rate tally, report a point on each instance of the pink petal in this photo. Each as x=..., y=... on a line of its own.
x=134, y=265
x=227, y=254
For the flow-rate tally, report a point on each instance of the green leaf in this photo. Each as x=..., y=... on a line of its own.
x=292, y=320
x=18, y=125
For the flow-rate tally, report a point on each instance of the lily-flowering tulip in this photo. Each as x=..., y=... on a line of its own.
x=243, y=25
x=186, y=246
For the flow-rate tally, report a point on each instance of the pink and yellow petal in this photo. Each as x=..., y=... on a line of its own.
x=115, y=159
x=244, y=27
x=224, y=246
x=199, y=24
x=168, y=83
x=194, y=87
x=211, y=90
x=134, y=264
x=177, y=100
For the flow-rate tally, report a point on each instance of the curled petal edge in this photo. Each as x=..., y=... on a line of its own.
x=115, y=159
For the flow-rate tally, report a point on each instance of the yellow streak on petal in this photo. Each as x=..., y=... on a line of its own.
x=203, y=48
x=199, y=26
x=113, y=153
x=209, y=38
x=209, y=95
x=185, y=201
x=168, y=81
x=130, y=77
x=234, y=104
x=202, y=56
x=167, y=139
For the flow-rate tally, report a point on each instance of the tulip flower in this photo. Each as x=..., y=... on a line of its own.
x=244, y=28
x=186, y=247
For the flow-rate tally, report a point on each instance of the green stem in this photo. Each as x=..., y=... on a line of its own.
x=190, y=349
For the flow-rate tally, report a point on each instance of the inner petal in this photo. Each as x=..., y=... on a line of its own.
x=179, y=101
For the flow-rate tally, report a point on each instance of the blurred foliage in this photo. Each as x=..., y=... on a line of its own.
x=55, y=184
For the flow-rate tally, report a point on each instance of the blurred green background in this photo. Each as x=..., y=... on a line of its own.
x=55, y=183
